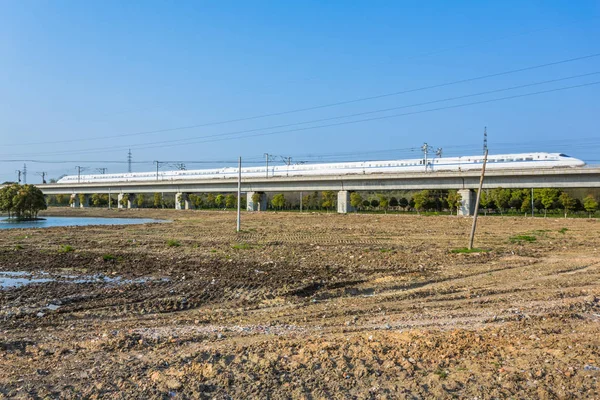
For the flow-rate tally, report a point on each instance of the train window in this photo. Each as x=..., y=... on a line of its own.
x=564, y=155
x=529, y=159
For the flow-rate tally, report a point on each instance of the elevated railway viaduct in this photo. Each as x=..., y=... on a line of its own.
x=466, y=182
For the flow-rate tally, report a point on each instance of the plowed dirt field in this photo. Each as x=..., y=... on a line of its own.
x=310, y=305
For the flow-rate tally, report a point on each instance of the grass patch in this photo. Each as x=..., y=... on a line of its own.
x=465, y=250
x=18, y=247
x=385, y=250
x=522, y=238
x=173, y=243
x=65, y=248
x=563, y=230
x=241, y=246
x=108, y=257
x=441, y=373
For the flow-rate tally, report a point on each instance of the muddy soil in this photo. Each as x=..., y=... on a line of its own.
x=310, y=305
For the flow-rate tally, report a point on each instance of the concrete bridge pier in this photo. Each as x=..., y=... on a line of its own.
x=130, y=200
x=467, y=202
x=343, y=202
x=183, y=202
x=261, y=205
x=76, y=200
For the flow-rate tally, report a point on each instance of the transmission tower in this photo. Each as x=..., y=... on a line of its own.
x=24, y=174
x=129, y=161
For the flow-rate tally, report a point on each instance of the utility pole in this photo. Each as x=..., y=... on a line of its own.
x=438, y=152
x=239, y=195
x=43, y=175
x=287, y=160
x=25, y=174
x=485, y=139
x=532, y=211
x=425, y=149
x=157, y=167
x=79, y=169
x=101, y=170
x=477, y=201
x=267, y=161
x=300, y=201
x=129, y=158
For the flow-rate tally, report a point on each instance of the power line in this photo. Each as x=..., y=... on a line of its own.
x=361, y=99
x=382, y=117
x=170, y=143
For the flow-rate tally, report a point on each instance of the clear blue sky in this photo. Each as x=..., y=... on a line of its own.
x=76, y=74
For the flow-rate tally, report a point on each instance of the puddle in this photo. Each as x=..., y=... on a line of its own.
x=16, y=279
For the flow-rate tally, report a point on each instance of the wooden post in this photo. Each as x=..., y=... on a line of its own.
x=477, y=201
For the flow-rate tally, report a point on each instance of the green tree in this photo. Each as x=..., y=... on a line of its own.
x=96, y=200
x=356, y=200
x=421, y=199
x=453, y=200
x=210, y=200
x=125, y=200
x=328, y=199
x=567, y=202
x=403, y=202
x=484, y=201
x=393, y=202
x=374, y=203
x=548, y=197
x=516, y=199
x=219, y=200
x=60, y=199
x=501, y=198
x=366, y=203
x=306, y=201
x=278, y=201
x=140, y=199
x=82, y=198
x=590, y=204
x=526, y=204
x=158, y=200
x=230, y=201
x=384, y=202
x=22, y=201
x=256, y=199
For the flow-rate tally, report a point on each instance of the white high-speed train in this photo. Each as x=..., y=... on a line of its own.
x=494, y=162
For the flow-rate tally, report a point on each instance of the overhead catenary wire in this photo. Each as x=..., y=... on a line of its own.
x=163, y=145
x=171, y=143
x=311, y=108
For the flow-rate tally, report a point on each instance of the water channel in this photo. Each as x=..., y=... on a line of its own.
x=49, y=222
